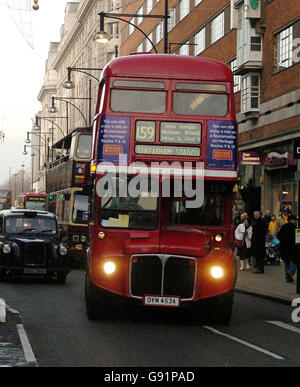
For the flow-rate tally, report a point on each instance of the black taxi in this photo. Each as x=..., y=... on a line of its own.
x=30, y=245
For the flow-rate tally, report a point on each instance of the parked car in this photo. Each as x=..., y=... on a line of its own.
x=30, y=245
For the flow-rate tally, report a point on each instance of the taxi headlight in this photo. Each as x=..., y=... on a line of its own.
x=63, y=250
x=6, y=248
x=83, y=238
x=109, y=268
x=217, y=272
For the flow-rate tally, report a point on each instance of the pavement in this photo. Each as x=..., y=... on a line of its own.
x=271, y=284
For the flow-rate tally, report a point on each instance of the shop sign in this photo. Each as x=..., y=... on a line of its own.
x=296, y=148
x=250, y=158
x=275, y=160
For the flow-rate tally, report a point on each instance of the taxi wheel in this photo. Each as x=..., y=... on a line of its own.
x=61, y=278
x=95, y=301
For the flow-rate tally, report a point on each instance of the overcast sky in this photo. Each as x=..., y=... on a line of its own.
x=22, y=72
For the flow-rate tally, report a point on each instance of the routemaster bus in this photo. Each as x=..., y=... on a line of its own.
x=67, y=175
x=5, y=199
x=32, y=201
x=162, y=122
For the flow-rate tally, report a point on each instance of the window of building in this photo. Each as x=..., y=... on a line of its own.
x=159, y=32
x=197, y=2
x=149, y=46
x=255, y=43
x=250, y=92
x=184, y=9
x=139, y=19
x=184, y=49
x=284, y=48
x=172, y=19
x=149, y=6
x=217, y=28
x=131, y=27
x=199, y=42
x=236, y=78
x=113, y=30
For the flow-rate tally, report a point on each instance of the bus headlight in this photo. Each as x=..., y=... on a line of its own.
x=6, y=248
x=217, y=272
x=218, y=238
x=109, y=268
x=63, y=250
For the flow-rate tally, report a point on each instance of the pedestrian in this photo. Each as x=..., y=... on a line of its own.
x=258, y=242
x=273, y=227
x=288, y=247
x=267, y=217
x=244, y=232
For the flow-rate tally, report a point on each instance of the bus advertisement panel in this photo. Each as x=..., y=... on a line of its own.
x=164, y=166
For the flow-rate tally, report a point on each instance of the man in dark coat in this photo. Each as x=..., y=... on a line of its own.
x=258, y=242
x=288, y=248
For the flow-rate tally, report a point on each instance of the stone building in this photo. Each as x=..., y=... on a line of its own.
x=77, y=50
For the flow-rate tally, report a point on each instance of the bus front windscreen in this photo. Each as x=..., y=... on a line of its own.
x=80, y=208
x=139, y=212
x=211, y=213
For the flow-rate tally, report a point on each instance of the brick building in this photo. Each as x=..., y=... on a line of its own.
x=260, y=41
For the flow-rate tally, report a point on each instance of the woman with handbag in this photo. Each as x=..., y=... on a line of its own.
x=243, y=235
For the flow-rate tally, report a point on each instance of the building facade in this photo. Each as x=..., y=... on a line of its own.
x=78, y=50
x=260, y=42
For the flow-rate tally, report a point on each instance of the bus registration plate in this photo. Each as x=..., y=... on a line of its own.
x=34, y=271
x=170, y=301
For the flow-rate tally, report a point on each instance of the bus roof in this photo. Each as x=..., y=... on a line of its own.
x=168, y=66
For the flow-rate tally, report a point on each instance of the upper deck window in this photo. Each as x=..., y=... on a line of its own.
x=140, y=101
x=139, y=84
x=200, y=87
x=84, y=147
x=200, y=104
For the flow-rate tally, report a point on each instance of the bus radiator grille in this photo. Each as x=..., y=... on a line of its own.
x=176, y=273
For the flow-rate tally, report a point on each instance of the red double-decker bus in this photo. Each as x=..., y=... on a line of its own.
x=32, y=201
x=5, y=199
x=163, y=247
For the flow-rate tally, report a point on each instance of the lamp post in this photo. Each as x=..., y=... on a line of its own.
x=22, y=177
x=32, y=156
x=53, y=108
x=70, y=85
x=103, y=37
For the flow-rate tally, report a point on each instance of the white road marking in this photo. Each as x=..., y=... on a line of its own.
x=2, y=310
x=29, y=355
x=285, y=326
x=259, y=349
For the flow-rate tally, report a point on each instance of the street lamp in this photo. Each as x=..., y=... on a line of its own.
x=53, y=108
x=103, y=37
x=69, y=84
